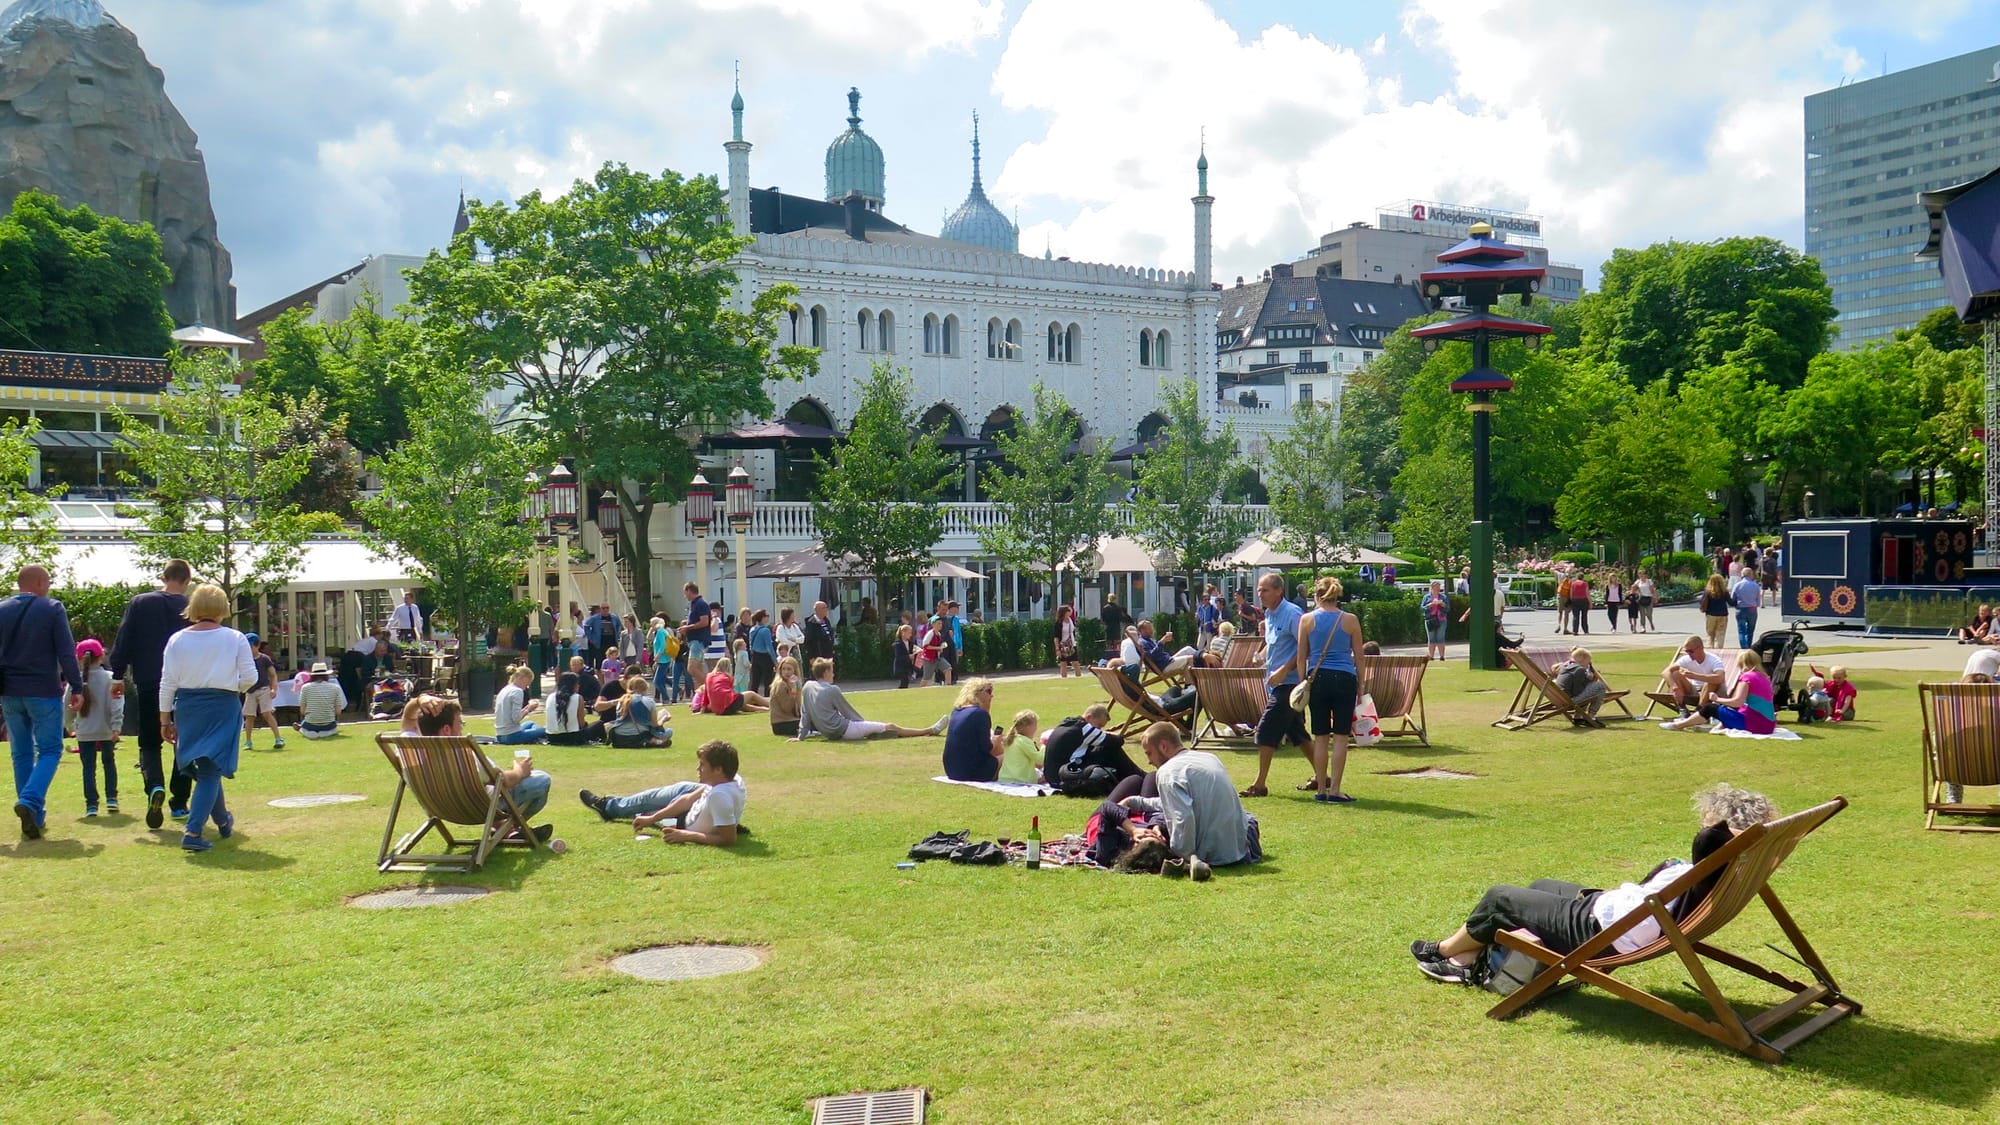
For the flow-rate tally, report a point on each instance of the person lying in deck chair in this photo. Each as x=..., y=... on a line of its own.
x=707, y=810
x=528, y=786
x=1565, y=915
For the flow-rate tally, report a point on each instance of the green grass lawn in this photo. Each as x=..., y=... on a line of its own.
x=148, y=985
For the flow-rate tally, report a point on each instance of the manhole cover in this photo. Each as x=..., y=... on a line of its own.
x=1430, y=773
x=430, y=894
x=315, y=800
x=687, y=962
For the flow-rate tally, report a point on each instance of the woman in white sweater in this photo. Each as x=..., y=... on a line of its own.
x=512, y=707
x=203, y=675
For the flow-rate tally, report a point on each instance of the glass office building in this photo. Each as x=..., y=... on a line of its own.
x=1871, y=146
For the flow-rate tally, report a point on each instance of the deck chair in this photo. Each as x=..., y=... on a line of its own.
x=453, y=784
x=1961, y=747
x=1225, y=699
x=1246, y=650
x=1397, y=683
x=1140, y=710
x=1544, y=700
x=1545, y=659
x=1746, y=865
x=1660, y=696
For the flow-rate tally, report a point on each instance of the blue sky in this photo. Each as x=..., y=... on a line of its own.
x=337, y=130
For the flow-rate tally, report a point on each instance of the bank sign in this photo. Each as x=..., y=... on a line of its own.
x=1460, y=217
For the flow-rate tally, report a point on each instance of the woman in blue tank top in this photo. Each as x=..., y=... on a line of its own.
x=1329, y=639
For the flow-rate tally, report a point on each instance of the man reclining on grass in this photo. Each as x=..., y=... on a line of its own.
x=710, y=808
x=1563, y=916
x=826, y=712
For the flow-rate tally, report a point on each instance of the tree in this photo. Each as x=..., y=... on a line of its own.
x=877, y=496
x=1944, y=330
x=354, y=365
x=1434, y=508
x=611, y=310
x=331, y=482
x=451, y=504
x=1309, y=470
x=1643, y=474
x=220, y=474
x=1178, y=510
x=27, y=526
x=75, y=281
x=1051, y=486
x=1828, y=435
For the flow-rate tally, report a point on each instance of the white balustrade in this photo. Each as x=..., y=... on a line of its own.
x=791, y=522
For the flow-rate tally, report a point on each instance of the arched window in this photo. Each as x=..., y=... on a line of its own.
x=942, y=419
x=1150, y=426
x=948, y=339
x=933, y=333
x=994, y=338
x=1001, y=421
x=1014, y=339
x=1058, y=344
x=794, y=314
x=885, y=335
x=1160, y=357
x=1073, y=345
x=864, y=330
x=1145, y=347
x=818, y=327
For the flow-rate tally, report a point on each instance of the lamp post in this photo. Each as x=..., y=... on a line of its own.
x=610, y=518
x=534, y=498
x=700, y=514
x=561, y=509
x=742, y=501
x=1479, y=271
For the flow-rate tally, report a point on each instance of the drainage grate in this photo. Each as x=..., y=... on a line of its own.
x=890, y=1107
x=1430, y=773
x=687, y=962
x=428, y=894
x=315, y=800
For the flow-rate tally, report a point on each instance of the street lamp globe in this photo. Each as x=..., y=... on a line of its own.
x=562, y=498
x=742, y=498
x=610, y=515
x=700, y=504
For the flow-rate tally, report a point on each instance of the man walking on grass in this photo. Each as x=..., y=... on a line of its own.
x=1280, y=723
x=149, y=620
x=37, y=658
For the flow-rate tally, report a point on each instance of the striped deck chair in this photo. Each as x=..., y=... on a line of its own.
x=1545, y=700
x=452, y=783
x=1746, y=865
x=1397, y=683
x=1140, y=710
x=1226, y=699
x=1545, y=659
x=1961, y=747
x=1246, y=650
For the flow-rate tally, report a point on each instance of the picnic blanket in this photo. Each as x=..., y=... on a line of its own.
x=1004, y=788
x=1069, y=851
x=1782, y=734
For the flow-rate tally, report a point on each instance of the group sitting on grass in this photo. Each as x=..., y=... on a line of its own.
x=1747, y=706
x=1194, y=820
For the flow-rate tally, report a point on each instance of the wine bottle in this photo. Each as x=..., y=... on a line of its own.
x=1035, y=844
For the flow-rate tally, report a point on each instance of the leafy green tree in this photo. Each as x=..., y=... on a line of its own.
x=1434, y=504
x=451, y=504
x=75, y=281
x=1937, y=398
x=1641, y=475
x=1179, y=510
x=1732, y=400
x=878, y=493
x=220, y=475
x=331, y=482
x=1051, y=485
x=1828, y=435
x=1944, y=330
x=355, y=366
x=27, y=526
x=1317, y=517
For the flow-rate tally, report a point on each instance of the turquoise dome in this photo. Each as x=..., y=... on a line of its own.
x=854, y=160
x=977, y=221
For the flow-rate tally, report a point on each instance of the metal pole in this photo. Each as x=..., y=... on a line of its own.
x=742, y=567
x=1484, y=654
x=701, y=562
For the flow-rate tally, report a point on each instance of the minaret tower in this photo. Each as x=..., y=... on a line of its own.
x=739, y=167
x=1203, y=249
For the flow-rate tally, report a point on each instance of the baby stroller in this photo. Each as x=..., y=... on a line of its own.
x=1780, y=649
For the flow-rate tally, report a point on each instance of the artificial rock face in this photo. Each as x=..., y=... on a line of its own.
x=86, y=118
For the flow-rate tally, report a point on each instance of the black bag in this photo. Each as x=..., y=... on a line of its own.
x=939, y=845
x=1085, y=781
x=985, y=853
x=1507, y=971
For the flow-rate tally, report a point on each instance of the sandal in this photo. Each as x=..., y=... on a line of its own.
x=1254, y=791
x=1310, y=786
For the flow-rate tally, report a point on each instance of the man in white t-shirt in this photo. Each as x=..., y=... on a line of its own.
x=1695, y=674
x=710, y=807
x=1983, y=662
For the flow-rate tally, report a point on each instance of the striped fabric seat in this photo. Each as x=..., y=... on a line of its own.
x=1246, y=650
x=1961, y=747
x=1397, y=685
x=453, y=783
x=1227, y=699
x=1140, y=710
x=1539, y=698
x=1743, y=869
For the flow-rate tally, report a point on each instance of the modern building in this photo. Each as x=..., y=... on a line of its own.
x=1408, y=236
x=378, y=280
x=1870, y=147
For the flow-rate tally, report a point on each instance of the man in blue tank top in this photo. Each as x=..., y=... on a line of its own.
x=1281, y=650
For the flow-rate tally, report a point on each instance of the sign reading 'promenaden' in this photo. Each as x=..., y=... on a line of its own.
x=71, y=371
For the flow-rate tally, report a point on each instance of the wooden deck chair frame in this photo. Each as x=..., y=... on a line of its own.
x=1545, y=659
x=1399, y=679
x=1140, y=710
x=453, y=784
x=1227, y=698
x=1660, y=696
x=1959, y=752
x=1746, y=864
x=1549, y=701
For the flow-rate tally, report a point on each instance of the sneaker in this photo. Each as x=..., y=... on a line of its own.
x=225, y=825
x=593, y=802
x=31, y=828
x=1427, y=951
x=1198, y=869
x=178, y=814
x=1174, y=867
x=155, y=801
x=195, y=844
x=277, y=744
x=111, y=805
x=1448, y=971
x=939, y=726
x=90, y=810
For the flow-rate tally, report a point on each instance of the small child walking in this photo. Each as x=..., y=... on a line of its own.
x=99, y=715
x=1022, y=762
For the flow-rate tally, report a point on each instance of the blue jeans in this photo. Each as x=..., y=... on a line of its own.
x=35, y=733
x=531, y=793
x=207, y=800
x=529, y=732
x=650, y=801
x=1746, y=626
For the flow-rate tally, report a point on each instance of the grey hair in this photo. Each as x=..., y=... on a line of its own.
x=1739, y=807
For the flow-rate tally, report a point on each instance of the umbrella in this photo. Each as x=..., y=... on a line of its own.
x=771, y=435
x=1376, y=558
x=1258, y=552
x=942, y=569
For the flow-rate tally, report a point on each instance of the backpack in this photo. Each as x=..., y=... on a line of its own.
x=1086, y=780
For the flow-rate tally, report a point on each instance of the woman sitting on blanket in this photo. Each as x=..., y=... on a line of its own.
x=1747, y=707
x=1562, y=916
